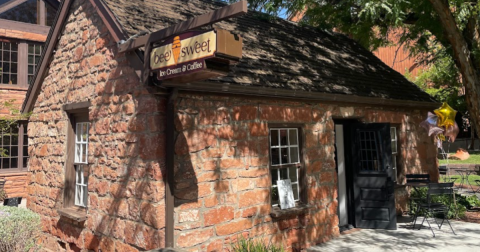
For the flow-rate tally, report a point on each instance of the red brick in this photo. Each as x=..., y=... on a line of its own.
x=243, y=184
x=258, y=129
x=204, y=189
x=221, y=186
x=122, y=247
x=251, y=198
x=96, y=60
x=189, y=239
x=253, y=173
x=215, y=246
x=153, y=215
x=228, y=163
x=194, y=140
x=218, y=215
x=242, y=113
x=189, y=215
x=211, y=201
x=326, y=177
x=233, y=227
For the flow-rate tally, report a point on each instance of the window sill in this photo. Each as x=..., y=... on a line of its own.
x=73, y=213
x=299, y=209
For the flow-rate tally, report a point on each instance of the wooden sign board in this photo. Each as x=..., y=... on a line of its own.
x=187, y=57
x=285, y=194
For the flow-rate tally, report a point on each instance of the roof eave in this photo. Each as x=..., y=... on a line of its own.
x=260, y=91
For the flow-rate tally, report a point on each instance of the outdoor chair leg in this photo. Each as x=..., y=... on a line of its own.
x=429, y=226
x=451, y=227
x=415, y=216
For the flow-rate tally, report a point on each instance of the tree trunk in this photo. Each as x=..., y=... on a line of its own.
x=464, y=60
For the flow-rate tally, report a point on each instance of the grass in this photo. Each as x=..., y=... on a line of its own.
x=473, y=159
x=471, y=179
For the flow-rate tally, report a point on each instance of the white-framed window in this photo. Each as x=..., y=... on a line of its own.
x=284, y=160
x=81, y=143
x=81, y=190
x=394, y=144
x=81, y=155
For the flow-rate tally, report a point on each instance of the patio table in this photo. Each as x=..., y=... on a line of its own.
x=464, y=174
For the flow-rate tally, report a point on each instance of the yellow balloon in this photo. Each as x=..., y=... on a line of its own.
x=446, y=115
x=441, y=137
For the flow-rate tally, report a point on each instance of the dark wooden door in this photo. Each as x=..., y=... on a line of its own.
x=373, y=186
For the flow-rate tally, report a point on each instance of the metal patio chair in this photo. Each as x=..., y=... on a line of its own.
x=416, y=181
x=434, y=209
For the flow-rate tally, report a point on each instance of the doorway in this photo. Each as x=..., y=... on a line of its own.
x=365, y=185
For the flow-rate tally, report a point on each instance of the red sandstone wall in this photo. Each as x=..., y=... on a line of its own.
x=126, y=189
x=222, y=170
x=221, y=156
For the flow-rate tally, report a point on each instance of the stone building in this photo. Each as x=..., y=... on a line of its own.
x=121, y=165
x=24, y=27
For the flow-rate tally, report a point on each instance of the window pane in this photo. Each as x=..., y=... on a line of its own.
x=6, y=139
x=14, y=79
x=14, y=151
x=293, y=174
x=274, y=138
x=283, y=137
x=84, y=153
x=283, y=174
x=78, y=152
x=275, y=156
x=274, y=176
x=25, y=162
x=78, y=131
x=14, y=163
x=295, y=191
x=6, y=151
x=78, y=190
x=85, y=195
x=274, y=195
x=393, y=133
x=84, y=132
x=293, y=137
x=5, y=163
x=294, y=154
x=284, y=156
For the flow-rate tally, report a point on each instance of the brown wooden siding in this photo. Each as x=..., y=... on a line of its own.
x=15, y=184
x=401, y=62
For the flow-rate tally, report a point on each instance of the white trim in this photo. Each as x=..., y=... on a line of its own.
x=342, y=180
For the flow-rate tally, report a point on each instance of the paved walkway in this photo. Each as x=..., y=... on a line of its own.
x=403, y=239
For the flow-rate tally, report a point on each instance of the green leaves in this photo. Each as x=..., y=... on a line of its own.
x=254, y=245
x=19, y=229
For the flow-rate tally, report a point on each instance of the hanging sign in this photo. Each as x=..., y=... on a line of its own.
x=285, y=194
x=186, y=53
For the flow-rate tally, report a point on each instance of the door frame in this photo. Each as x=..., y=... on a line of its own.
x=348, y=173
x=348, y=141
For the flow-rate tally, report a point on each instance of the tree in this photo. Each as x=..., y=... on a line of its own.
x=431, y=29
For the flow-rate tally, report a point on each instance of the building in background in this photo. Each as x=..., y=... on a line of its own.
x=24, y=26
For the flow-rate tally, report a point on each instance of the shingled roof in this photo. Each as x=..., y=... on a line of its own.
x=280, y=54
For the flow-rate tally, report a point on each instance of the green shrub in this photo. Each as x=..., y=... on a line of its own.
x=19, y=229
x=250, y=245
x=458, y=210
